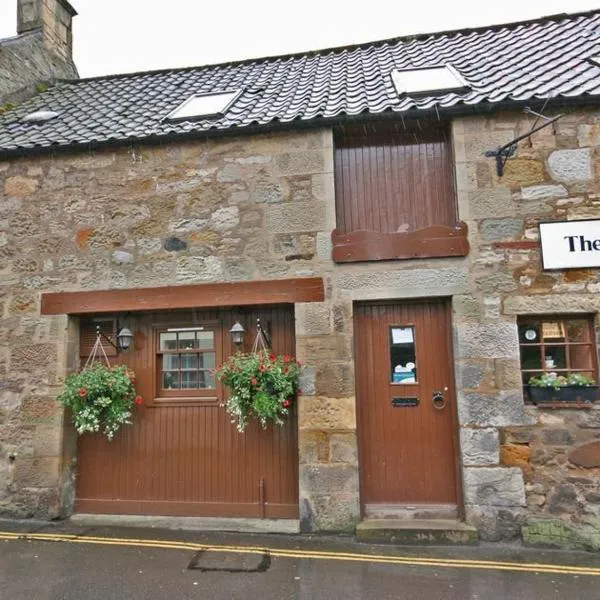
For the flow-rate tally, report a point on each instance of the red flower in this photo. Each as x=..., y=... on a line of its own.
x=287, y=358
x=254, y=381
x=139, y=400
x=286, y=370
x=287, y=403
x=272, y=357
x=83, y=392
x=262, y=368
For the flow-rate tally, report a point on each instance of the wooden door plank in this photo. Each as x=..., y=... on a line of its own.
x=407, y=454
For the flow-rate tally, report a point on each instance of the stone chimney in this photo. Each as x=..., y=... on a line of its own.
x=54, y=18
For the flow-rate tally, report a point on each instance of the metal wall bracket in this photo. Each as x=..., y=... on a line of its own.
x=503, y=153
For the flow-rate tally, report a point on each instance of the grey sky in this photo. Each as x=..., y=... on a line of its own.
x=114, y=36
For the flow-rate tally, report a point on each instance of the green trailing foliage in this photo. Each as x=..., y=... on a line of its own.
x=101, y=398
x=262, y=385
x=552, y=380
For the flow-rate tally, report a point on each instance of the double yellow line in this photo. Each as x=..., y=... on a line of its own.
x=311, y=554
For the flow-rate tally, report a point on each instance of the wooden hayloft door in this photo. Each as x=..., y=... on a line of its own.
x=406, y=405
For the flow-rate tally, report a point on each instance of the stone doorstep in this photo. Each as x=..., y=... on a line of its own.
x=234, y=525
x=417, y=532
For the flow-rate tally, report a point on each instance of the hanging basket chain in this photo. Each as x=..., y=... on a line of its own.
x=260, y=342
x=97, y=352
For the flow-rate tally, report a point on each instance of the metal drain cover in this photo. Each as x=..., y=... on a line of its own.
x=232, y=562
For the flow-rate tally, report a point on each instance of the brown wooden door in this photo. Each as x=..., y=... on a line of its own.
x=406, y=440
x=182, y=456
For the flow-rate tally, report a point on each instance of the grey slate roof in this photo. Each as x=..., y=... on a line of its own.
x=538, y=59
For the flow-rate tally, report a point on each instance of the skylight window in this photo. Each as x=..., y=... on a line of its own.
x=424, y=81
x=204, y=105
x=40, y=116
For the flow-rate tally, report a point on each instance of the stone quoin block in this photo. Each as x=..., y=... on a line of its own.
x=494, y=486
x=543, y=192
x=571, y=166
x=489, y=340
x=492, y=409
x=479, y=446
x=319, y=413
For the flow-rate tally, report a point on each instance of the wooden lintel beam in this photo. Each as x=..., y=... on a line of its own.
x=242, y=293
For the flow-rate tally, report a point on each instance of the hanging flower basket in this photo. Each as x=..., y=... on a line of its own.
x=101, y=397
x=263, y=387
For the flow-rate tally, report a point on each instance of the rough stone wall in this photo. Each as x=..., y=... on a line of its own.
x=509, y=477
x=262, y=207
x=232, y=209
x=560, y=460
x=223, y=210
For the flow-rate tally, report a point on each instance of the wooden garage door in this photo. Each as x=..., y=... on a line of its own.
x=406, y=406
x=182, y=456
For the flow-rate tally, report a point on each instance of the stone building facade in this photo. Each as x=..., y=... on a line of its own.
x=40, y=53
x=263, y=207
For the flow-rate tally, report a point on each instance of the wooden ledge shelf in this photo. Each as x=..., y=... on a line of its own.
x=243, y=293
x=438, y=241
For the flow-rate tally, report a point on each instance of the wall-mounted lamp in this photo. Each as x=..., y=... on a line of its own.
x=237, y=333
x=124, y=338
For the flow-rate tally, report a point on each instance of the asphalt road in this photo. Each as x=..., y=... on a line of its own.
x=63, y=563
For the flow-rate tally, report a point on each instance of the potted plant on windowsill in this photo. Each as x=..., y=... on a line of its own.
x=553, y=388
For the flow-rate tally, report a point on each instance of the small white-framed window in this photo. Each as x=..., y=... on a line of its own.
x=201, y=106
x=186, y=358
x=441, y=78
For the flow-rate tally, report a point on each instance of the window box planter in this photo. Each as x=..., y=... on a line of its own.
x=576, y=394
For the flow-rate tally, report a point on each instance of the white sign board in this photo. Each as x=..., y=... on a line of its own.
x=402, y=335
x=570, y=244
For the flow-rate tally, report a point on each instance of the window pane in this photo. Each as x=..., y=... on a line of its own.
x=171, y=380
x=531, y=357
x=578, y=331
x=189, y=380
x=168, y=341
x=529, y=334
x=189, y=361
x=553, y=331
x=207, y=360
x=187, y=340
x=555, y=357
x=581, y=357
x=205, y=339
x=206, y=380
x=170, y=362
x=589, y=374
x=402, y=355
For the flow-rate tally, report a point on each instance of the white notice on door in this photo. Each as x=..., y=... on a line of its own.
x=570, y=244
x=402, y=335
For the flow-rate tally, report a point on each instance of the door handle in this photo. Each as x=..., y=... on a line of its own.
x=438, y=399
